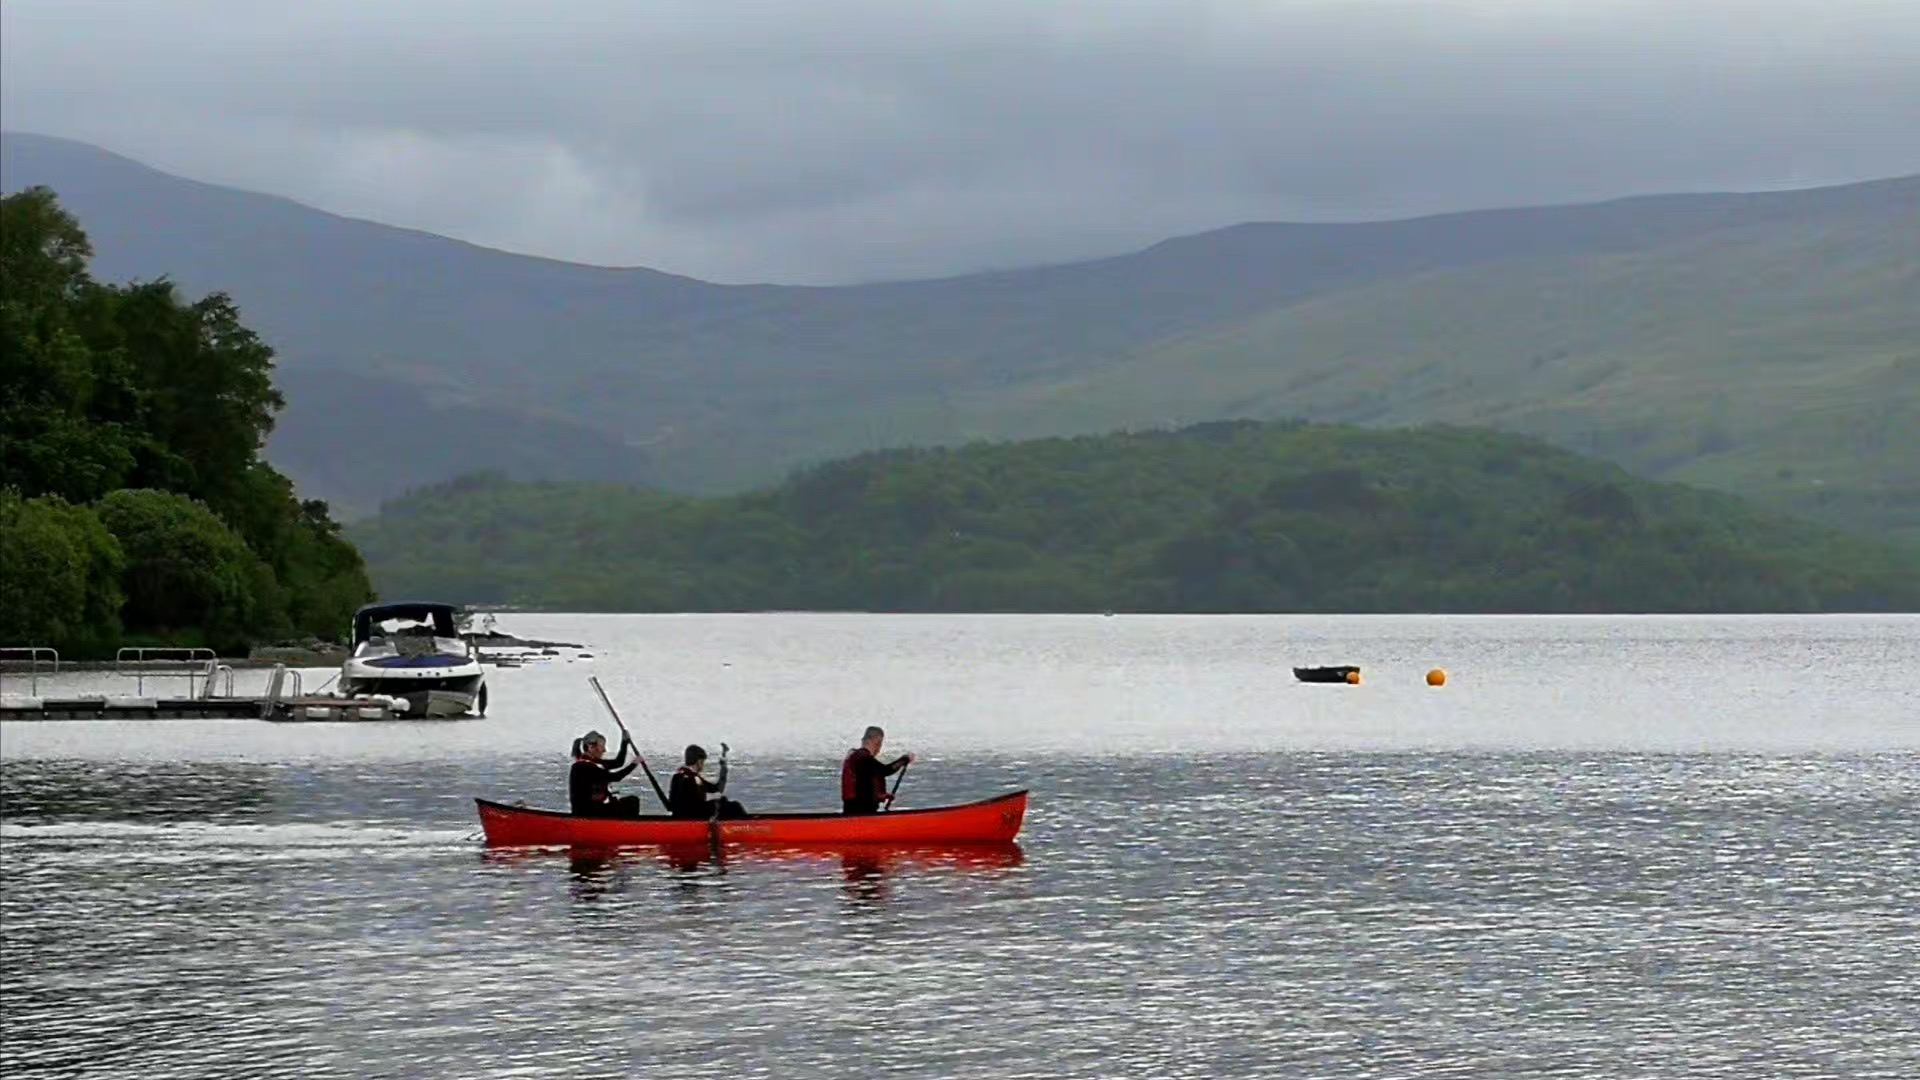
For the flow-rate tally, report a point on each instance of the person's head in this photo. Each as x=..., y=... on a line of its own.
x=592, y=746
x=696, y=758
x=872, y=740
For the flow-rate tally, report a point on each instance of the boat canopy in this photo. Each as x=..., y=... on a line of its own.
x=440, y=616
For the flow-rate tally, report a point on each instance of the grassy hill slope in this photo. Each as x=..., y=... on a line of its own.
x=1780, y=360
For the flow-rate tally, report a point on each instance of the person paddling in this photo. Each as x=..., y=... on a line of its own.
x=588, y=779
x=692, y=795
x=863, y=778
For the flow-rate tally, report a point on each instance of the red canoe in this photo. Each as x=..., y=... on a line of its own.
x=989, y=821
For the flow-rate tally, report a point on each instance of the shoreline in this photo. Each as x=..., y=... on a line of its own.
x=312, y=655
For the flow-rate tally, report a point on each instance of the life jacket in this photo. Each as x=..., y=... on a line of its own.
x=587, y=786
x=685, y=796
x=849, y=779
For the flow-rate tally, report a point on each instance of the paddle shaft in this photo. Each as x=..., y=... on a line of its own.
x=902, y=775
x=604, y=700
x=713, y=818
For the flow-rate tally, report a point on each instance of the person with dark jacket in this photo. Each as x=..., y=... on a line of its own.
x=587, y=781
x=692, y=795
x=863, y=778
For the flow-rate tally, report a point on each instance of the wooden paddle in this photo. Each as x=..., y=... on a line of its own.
x=713, y=819
x=594, y=680
x=899, y=776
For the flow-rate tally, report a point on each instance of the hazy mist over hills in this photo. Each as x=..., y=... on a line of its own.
x=848, y=141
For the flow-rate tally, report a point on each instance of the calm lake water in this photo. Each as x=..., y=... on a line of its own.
x=1609, y=847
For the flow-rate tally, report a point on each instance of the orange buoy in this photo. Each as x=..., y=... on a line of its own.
x=1436, y=677
x=1353, y=678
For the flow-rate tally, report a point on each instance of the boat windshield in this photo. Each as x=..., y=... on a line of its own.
x=404, y=620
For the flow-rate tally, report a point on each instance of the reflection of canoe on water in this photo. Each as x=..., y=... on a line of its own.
x=855, y=859
x=1325, y=674
x=990, y=821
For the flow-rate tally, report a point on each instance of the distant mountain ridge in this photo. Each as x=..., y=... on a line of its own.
x=709, y=387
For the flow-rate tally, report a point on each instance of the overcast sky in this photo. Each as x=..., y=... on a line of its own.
x=836, y=140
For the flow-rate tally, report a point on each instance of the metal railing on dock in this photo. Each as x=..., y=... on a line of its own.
x=284, y=699
x=277, y=689
x=168, y=662
x=206, y=688
x=32, y=656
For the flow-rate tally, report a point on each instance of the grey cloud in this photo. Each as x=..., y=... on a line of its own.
x=844, y=140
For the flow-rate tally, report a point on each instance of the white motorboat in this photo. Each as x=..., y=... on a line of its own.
x=414, y=652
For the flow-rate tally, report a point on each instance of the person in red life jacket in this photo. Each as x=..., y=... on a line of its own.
x=588, y=779
x=692, y=795
x=863, y=778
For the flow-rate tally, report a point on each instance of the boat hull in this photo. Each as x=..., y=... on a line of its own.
x=441, y=703
x=1325, y=674
x=428, y=693
x=990, y=821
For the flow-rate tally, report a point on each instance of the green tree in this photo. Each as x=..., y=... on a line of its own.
x=187, y=573
x=50, y=381
x=59, y=575
x=105, y=387
x=205, y=396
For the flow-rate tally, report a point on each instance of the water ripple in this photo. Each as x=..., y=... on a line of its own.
x=243, y=902
x=1385, y=915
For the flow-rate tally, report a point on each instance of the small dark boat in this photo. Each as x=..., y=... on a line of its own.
x=1326, y=674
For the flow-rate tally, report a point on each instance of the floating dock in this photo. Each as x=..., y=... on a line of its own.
x=283, y=700
x=229, y=708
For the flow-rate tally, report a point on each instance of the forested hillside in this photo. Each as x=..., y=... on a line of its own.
x=133, y=501
x=1217, y=517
